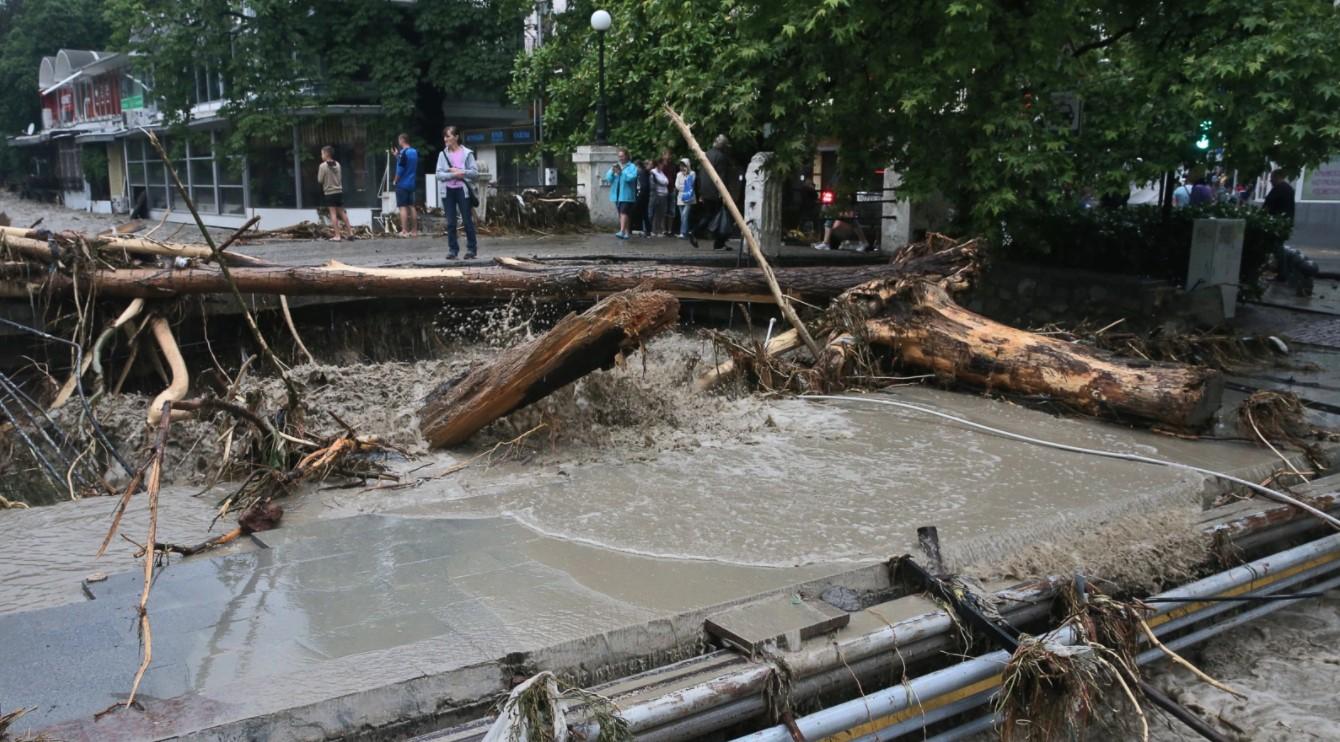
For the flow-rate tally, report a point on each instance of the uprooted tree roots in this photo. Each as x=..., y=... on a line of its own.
x=1056, y=690
x=886, y=329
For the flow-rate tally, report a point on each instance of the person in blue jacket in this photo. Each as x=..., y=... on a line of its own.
x=406, y=173
x=622, y=180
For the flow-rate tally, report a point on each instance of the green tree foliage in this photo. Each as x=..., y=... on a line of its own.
x=30, y=30
x=277, y=57
x=966, y=98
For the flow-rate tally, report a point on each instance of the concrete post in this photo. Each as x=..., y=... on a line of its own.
x=895, y=228
x=763, y=202
x=592, y=161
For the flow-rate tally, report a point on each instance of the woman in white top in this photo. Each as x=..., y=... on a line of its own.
x=660, y=192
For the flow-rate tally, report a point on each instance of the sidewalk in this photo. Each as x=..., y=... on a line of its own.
x=432, y=251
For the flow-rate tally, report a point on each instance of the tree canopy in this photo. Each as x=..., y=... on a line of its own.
x=30, y=30
x=971, y=99
x=277, y=56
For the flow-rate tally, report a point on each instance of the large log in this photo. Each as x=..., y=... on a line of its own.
x=583, y=281
x=32, y=243
x=926, y=330
x=576, y=346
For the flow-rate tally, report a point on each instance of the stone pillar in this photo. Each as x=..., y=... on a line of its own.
x=592, y=161
x=895, y=228
x=763, y=203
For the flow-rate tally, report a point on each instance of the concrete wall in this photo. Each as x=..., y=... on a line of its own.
x=1316, y=224
x=1031, y=296
x=270, y=218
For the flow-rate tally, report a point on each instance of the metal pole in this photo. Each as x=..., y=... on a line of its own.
x=602, y=129
x=844, y=716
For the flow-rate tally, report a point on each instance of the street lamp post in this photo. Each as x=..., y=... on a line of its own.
x=600, y=21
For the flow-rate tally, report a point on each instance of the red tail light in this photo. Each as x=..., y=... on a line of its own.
x=826, y=197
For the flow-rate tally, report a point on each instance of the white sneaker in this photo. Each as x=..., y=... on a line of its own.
x=822, y=246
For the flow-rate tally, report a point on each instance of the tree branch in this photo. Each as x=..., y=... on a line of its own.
x=1103, y=43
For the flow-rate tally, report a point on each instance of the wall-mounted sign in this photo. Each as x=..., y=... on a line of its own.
x=1322, y=183
x=518, y=135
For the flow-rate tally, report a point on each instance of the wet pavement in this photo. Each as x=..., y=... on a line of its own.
x=432, y=250
x=465, y=572
x=417, y=595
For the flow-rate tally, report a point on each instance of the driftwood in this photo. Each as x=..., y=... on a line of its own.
x=576, y=346
x=729, y=202
x=910, y=324
x=33, y=244
x=926, y=331
x=816, y=285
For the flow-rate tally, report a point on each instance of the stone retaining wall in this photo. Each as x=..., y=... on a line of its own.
x=1026, y=295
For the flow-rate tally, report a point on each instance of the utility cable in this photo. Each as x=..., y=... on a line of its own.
x=1271, y=494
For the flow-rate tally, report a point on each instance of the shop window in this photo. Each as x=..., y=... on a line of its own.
x=271, y=176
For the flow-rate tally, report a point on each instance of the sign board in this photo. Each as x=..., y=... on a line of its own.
x=1068, y=109
x=517, y=135
x=1322, y=183
x=133, y=102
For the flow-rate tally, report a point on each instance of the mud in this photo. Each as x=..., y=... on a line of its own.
x=1285, y=663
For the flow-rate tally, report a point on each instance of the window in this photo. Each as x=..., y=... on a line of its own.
x=272, y=178
x=200, y=164
x=230, y=173
x=359, y=171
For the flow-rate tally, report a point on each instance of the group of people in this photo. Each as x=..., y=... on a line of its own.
x=456, y=173
x=1200, y=187
x=667, y=197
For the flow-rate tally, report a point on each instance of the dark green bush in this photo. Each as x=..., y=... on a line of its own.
x=1134, y=240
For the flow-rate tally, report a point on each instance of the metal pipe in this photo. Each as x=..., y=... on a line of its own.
x=913, y=638
x=919, y=721
x=890, y=701
x=1200, y=635
x=1209, y=610
x=984, y=723
x=895, y=699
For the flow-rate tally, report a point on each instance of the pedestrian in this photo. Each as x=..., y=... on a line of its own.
x=622, y=180
x=660, y=192
x=456, y=170
x=332, y=193
x=406, y=176
x=643, y=196
x=670, y=169
x=684, y=187
x=1202, y=193
x=1181, y=196
x=714, y=217
x=1280, y=200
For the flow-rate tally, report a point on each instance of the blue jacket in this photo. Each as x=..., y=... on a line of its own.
x=623, y=184
x=407, y=169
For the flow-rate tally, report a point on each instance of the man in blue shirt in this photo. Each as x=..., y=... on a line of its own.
x=406, y=172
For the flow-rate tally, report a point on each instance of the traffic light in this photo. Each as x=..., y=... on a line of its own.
x=1204, y=142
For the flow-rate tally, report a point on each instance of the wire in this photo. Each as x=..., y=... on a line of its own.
x=1266, y=491
x=79, y=387
x=1237, y=598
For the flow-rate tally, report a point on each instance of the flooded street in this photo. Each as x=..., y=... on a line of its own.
x=637, y=498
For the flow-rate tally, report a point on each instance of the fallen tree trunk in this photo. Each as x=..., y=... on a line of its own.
x=927, y=331
x=32, y=243
x=813, y=284
x=576, y=346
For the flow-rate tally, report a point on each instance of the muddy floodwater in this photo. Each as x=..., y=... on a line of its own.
x=632, y=467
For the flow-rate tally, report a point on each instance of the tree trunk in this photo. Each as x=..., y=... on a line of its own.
x=926, y=330
x=576, y=346
x=583, y=281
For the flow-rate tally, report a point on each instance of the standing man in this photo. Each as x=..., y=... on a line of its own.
x=1280, y=200
x=406, y=175
x=332, y=193
x=714, y=217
